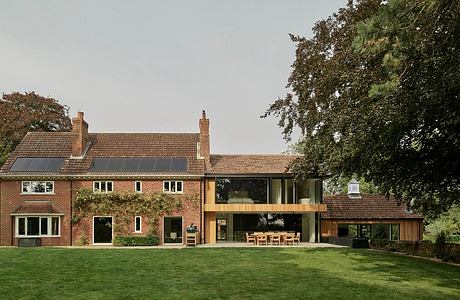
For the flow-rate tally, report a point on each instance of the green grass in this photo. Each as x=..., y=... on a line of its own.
x=231, y=273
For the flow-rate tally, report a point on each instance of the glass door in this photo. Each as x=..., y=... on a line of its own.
x=172, y=230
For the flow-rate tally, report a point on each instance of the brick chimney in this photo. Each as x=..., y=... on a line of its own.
x=80, y=138
x=205, y=149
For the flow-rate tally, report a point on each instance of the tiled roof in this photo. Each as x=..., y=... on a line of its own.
x=367, y=207
x=59, y=144
x=250, y=163
x=36, y=207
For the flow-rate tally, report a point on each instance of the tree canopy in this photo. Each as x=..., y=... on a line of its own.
x=375, y=92
x=21, y=113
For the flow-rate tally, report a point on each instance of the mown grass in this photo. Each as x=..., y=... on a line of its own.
x=226, y=273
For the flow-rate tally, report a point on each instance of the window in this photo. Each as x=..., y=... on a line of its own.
x=138, y=224
x=37, y=187
x=242, y=190
x=173, y=186
x=103, y=186
x=37, y=226
x=138, y=186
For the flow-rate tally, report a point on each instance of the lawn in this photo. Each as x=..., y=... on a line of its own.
x=230, y=273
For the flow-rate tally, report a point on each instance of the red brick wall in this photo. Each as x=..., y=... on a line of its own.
x=11, y=198
x=189, y=212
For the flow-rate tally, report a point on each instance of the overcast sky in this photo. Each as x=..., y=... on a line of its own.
x=152, y=66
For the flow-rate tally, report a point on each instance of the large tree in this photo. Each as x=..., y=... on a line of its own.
x=21, y=113
x=376, y=93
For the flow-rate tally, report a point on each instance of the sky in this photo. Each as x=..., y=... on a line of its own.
x=152, y=66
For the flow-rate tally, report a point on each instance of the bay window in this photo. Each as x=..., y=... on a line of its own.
x=37, y=226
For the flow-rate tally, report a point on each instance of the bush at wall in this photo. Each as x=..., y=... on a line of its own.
x=136, y=241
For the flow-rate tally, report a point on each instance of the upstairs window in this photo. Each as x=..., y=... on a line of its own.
x=173, y=186
x=103, y=186
x=37, y=187
x=138, y=186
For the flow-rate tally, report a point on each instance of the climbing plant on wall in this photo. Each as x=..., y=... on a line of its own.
x=123, y=206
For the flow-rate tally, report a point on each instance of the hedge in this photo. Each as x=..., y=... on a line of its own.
x=136, y=241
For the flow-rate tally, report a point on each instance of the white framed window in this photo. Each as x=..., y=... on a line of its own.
x=138, y=186
x=138, y=224
x=38, y=226
x=173, y=186
x=37, y=187
x=102, y=186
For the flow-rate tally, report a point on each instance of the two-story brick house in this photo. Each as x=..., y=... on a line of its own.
x=237, y=194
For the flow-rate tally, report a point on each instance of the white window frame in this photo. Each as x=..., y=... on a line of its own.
x=40, y=217
x=169, y=183
x=30, y=182
x=135, y=186
x=140, y=224
x=100, y=190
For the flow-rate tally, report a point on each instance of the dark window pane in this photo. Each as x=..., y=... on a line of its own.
x=138, y=223
x=44, y=226
x=109, y=186
x=55, y=226
x=49, y=186
x=179, y=186
x=166, y=186
x=21, y=226
x=38, y=187
x=33, y=226
x=173, y=230
x=245, y=191
x=138, y=186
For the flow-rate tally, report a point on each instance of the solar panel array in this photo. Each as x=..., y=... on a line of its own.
x=139, y=164
x=37, y=164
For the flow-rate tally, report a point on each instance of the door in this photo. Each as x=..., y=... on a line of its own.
x=221, y=229
x=102, y=230
x=172, y=230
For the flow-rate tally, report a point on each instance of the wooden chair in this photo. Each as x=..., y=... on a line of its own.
x=262, y=239
x=297, y=238
x=250, y=238
x=276, y=238
x=289, y=239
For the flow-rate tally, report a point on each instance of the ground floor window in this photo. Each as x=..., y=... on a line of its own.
x=38, y=226
x=172, y=233
x=370, y=231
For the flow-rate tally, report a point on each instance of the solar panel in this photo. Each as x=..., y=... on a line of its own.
x=37, y=164
x=139, y=164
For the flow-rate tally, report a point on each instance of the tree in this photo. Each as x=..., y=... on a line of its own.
x=375, y=93
x=21, y=113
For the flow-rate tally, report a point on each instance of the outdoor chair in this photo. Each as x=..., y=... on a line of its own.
x=289, y=239
x=297, y=238
x=250, y=238
x=262, y=239
x=276, y=239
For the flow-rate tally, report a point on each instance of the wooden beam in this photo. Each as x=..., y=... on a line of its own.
x=293, y=208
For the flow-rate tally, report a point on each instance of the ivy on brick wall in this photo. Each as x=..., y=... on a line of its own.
x=125, y=205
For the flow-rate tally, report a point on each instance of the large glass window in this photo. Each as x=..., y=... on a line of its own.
x=37, y=187
x=374, y=231
x=242, y=190
x=37, y=226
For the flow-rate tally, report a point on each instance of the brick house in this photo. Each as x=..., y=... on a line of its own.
x=236, y=194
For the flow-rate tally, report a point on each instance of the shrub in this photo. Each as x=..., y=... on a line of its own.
x=379, y=244
x=82, y=240
x=136, y=241
x=439, y=249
